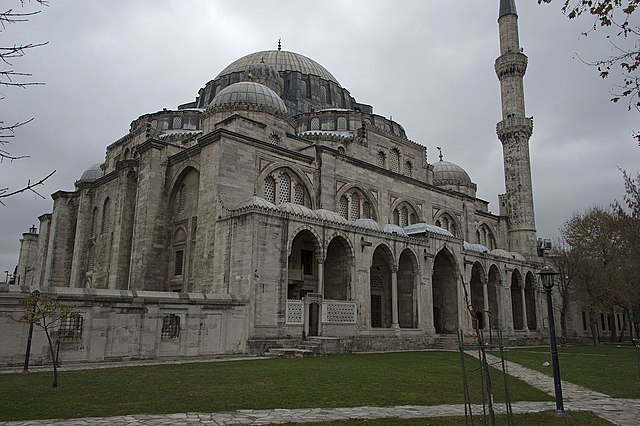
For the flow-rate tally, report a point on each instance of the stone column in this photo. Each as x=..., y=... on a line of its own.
x=525, y=326
x=508, y=311
x=394, y=297
x=320, y=276
x=485, y=299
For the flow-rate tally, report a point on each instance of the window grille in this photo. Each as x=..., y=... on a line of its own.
x=381, y=159
x=285, y=188
x=342, y=123
x=408, y=168
x=177, y=122
x=303, y=88
x=170, y=327
x=177, y=269
x=94, y=219
x=70, y=329
x=394, y=160
x=106, y=215
x=404, y=217
x=396, y=217
x=366, y=210
x=299, y=194
x=91, y=257
x=355, y=206
x=182, y=198
x=344, y=207
x=323, y=94
x=412, y=218
x=270, y=189
x=315, y=124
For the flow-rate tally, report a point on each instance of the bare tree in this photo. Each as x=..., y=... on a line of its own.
x=567, y=264
x=47, y=313
x=11, y=78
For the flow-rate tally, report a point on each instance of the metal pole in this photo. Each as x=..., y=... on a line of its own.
x=554, y=352
x=27, y=355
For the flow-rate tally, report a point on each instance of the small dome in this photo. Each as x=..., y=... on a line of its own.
x=517, y=256
x=297, y=209
x=421, y=228
x=391, y=228
x=479, y=248
x=256, y=201
x=501, y=253
x=249, y=93
x=94, y=172
x=445, y=172
x=369, y=224
x=330, y=216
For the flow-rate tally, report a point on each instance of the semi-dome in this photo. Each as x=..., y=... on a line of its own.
x=249, y=93
x=93, y=172
x=281, y=60
x=445, y=172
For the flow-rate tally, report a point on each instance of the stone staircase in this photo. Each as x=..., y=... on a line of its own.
x=312, y=346
x=446, y=342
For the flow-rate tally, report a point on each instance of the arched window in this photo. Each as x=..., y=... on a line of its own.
x=342, y=123
x=303, y=88
x=394, y=160
x=413, y=218
x=91, y=257
x=447, y=222
x=270, y=189
x=315, y=124
x=408, y=168
x=381, y=159
x=396, y=217
x=106, y=216
x=323, y=94
x=285, y=188
x=126, y=153
x=344, y=207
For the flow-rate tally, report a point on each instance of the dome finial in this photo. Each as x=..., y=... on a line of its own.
x=440, y=151
x=279, y=44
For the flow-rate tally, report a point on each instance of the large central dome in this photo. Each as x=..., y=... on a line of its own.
x=281, y=60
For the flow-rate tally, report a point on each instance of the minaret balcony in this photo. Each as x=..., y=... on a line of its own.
x=514, y=127
x=511, y=63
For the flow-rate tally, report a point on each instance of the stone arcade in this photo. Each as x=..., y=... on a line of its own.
x=276, y=207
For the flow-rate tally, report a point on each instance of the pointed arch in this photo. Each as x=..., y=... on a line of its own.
x=382, y=264
x=304, y=250
x=530, y=301
x=447, y=221
x=285, y=183
x=516, y=300
x=408, y=272
x=338, y=266
x=106, y=215
x=404, y=211
x=485, y=236
x=493, y=286
x=360, y=203
x=445, y=292
x=476, y=285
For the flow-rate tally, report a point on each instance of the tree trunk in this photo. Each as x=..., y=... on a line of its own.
x=624, y=325
x=53, y=360
x=563, y=326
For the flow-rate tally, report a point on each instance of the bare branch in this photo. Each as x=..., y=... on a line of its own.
x=28, y=187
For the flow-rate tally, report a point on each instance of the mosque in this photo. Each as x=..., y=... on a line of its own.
x=276, y=209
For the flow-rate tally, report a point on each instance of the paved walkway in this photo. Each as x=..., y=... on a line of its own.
x=576, y=398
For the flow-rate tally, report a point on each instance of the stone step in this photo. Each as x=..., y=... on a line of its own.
x=289, y=353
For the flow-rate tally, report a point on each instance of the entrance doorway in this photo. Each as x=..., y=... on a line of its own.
x=314, y=318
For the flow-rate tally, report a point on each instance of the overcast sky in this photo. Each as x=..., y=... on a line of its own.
x=426, y=63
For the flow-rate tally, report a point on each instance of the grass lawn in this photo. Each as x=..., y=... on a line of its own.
x=605, y=368
x=411, y=378
x=531, y=419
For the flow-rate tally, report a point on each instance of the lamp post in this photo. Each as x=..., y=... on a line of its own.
x=547, y=274
x=36, y=293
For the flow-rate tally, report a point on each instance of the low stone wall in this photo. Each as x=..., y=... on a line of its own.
x=121, y=325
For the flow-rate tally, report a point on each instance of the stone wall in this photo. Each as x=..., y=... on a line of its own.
x=126, y=325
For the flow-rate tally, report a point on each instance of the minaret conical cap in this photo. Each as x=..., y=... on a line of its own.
x=507, y=7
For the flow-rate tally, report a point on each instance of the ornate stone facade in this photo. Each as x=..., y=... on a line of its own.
x=286, y=208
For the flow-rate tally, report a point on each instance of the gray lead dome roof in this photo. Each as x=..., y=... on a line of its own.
x=93, y=172
x=446, y=172
x=281, y=60
x=250, y=93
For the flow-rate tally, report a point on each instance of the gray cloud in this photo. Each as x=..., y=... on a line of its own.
x=429, y=64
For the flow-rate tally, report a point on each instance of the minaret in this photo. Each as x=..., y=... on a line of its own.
x=514, y=132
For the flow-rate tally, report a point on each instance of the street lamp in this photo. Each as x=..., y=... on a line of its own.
x=547, y=273
x=36, y=293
